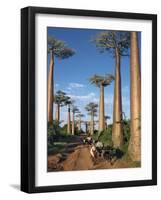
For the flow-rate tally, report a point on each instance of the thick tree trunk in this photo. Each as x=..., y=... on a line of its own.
x=135, y=100
x=50, y=88
x=79, y=124
x=57, y=115
x=101, y=110
x=73, y=123
x=92, y=125
x=69, y=123
x=117, y=131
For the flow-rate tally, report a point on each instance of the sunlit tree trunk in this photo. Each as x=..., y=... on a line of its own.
x=79, y=124
x=69, y=123
x=50, y=88
x=73, y=123
x=57, y=115
x=135, y=100
x=89, y=127
x=101, y=110
x=92, y=125
x=117, y=132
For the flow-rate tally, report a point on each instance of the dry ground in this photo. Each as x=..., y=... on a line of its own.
x=79, y=158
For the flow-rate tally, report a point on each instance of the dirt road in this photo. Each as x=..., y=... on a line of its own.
x=79, y=158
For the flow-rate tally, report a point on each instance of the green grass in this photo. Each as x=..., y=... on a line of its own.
x=105, y=137
x=136, y=164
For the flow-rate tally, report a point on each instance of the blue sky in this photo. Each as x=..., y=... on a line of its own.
x=72, y=75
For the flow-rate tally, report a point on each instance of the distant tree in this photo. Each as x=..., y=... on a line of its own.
x=74, y=110
x=59, y=100
x=106, y=118
x=79, y=116
x=101, y=82
x=117, y=43
x=68, y=102
x=56, y=48
x=91, y=108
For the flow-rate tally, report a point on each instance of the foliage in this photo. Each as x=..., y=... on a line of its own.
x=67, y=101
x=79, y=116
x=106, y=136
x=126, y=130
x=101, y=80
x=75, y=109
x=59, y=48
x=110, y=40
x=91, y=108
x=60, y=98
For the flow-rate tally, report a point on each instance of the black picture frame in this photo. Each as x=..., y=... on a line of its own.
x=28, y=98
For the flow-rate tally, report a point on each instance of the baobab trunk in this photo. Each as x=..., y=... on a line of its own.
x=92, y=125
x=68, y=126
x=101, y=111
x=79, y=124
x=73, y=123
x=135, y=100
x=117, y=131
x=88, y=127
x=50, y=88
x=57, y=116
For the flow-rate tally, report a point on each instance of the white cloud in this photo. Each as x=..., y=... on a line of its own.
x=75, y=85
x=89, y=97
x=56, y=85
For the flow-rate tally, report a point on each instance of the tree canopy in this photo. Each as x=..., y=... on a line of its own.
x=68, y=100
x=101, y=80
x=79, y=115
x=60, y=98
x=75, y=109
x=59, y=48
x=91, y=108
x=110, y=40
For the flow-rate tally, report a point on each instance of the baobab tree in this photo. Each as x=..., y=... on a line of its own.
x=135, y=100
x=86, y=126
x=91, y=108
x=68, y=103
x=101, y=82
x=106, y=118
x=56, y=48
x=79, y=116
x=117, y=43
x=59, y=100
x=74, y=110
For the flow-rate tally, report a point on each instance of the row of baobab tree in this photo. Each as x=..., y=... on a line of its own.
x=119, y=44
x=61, y=99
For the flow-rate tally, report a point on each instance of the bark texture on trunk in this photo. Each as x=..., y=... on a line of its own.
x=69, y=123
x=79, y=124
x=57, y=115
x=135, y=101
x=117, y=131
x=73, y=123
x=50, y=88
x=101, y=110
x=92, y=125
